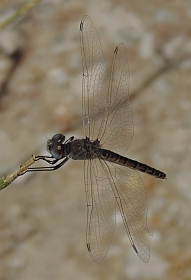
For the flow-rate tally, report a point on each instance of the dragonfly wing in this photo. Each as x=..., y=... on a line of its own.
x=101, y=214
x=106, y=108
x=131, y=198
x=95, y=83
x=118, y=132
x=107, y=117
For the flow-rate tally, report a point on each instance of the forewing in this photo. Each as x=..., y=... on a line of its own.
x=118, y=131
x=132, y=201
x=95, y=83
x=100, y=209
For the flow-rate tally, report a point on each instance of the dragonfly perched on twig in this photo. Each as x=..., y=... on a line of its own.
x=110, y=178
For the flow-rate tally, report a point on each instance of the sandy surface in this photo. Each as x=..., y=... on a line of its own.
x=43, y=215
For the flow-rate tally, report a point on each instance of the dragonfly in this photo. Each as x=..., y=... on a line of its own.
x=111, y=179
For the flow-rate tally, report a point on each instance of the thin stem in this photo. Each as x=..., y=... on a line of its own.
x=19, y=13
x=7, y=180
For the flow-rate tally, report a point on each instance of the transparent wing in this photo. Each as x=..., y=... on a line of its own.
x=118, y=131
x=95, y=83
x=105, y=185
x=131, y=198
x=100, y=209
x=105, y=105
x=107, y=117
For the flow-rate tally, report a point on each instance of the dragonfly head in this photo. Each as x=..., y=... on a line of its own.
x=55, y=146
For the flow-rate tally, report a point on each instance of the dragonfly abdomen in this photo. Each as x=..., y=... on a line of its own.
x=133, y=164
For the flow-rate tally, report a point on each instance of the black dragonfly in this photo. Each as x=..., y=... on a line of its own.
x=110, y=177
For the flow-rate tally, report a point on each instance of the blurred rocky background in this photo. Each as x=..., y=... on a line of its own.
x=43, y=215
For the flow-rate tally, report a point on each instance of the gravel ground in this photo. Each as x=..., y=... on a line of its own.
x=43, y=215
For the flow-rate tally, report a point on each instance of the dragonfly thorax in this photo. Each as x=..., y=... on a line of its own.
x=78, y=149
x=82, y=149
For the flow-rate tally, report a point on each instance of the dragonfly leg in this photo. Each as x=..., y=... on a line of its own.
x=49, y=159
x=47, y=168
